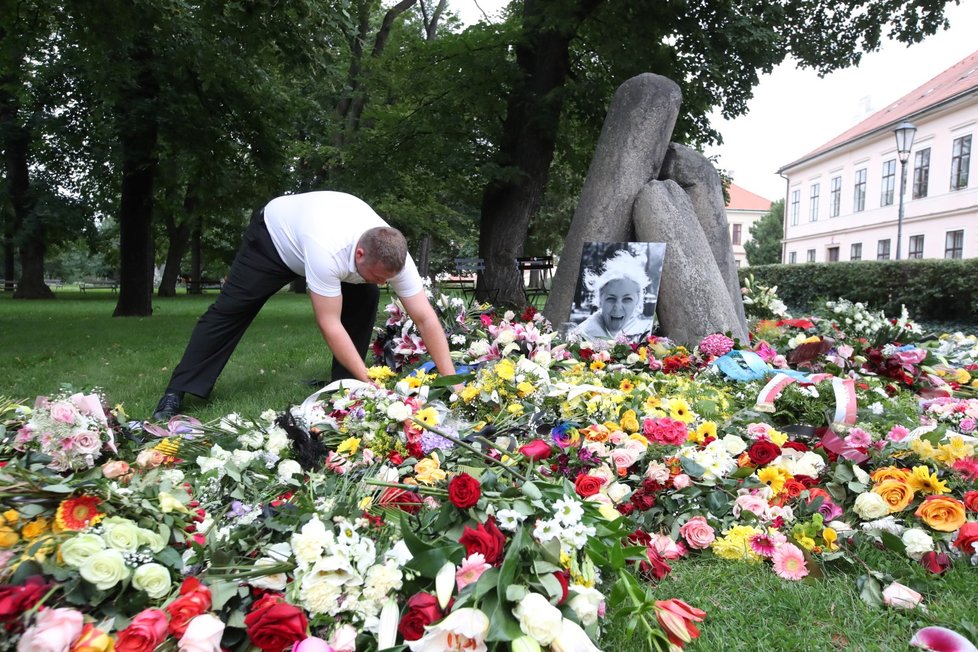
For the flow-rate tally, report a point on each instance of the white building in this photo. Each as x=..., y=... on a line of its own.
x=842, y=199
x=743, y=209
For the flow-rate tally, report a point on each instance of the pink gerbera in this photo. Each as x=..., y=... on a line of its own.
x=765, y=543
x=789, y=562
x=898, y=433
x=471, y=570
x=968, y=467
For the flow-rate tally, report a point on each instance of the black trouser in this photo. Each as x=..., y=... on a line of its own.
x=256, y=274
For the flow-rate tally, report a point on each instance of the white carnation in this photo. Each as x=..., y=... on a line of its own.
x=917, y=542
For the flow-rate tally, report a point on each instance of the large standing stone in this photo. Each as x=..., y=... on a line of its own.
x=629, y=153
x=697, y=176
x=693, y=298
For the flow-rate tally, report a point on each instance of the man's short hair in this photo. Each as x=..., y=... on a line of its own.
x=384, y=246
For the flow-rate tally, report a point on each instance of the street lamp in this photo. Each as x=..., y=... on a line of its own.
x=904, y=141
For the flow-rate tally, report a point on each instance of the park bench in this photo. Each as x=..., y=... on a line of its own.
x=536, y=276
x=465, y=278
x=99, y=284
x=5, y=285
x=204, y=285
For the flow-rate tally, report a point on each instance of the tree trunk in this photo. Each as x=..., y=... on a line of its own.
x=424, y=255
x=527, y=148
x=196, y=260
x=178, y=235
x=137, y=139
x=8, y=255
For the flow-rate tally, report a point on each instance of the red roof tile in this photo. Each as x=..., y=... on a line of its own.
x=744, y=200
x=956, y=80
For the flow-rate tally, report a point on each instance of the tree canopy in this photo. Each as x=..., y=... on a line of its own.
x=764, y=245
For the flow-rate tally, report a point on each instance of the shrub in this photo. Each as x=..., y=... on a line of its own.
x=932, y=290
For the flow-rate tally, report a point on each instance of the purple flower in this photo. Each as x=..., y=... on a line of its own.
x=829, y=511
x=431, y=441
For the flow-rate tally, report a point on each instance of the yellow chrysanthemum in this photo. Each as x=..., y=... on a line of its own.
x=349, y=445
x=427, y=416
x=643, y=354
x=380, y=373
x=805, y=542
x=524, y=389
x=35, y=528
x=735, y=544
x=774, y=477
x=922, y=480
x=515, y=409
x=505, y=369
x=629, y=421
x=469, y=392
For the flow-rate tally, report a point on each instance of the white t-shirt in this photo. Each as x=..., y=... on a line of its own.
x=316, y=234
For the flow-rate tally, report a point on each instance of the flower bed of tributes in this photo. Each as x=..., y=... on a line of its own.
x=560, y=480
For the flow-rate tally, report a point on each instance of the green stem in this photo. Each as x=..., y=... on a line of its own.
x=432, y=491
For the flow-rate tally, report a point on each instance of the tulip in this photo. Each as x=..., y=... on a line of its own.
x=536, y=450
x=942, y=639
x=445, y=584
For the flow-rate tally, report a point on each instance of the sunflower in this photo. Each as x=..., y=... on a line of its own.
x=77, y=513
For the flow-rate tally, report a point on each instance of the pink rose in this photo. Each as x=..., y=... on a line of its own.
x=53, y=631
x=623, y=458
x=681, y=481
x=203, y=634
x=312, y=644
x=344, y=639
x=698, y=533
x=897, y=434
x=63, y=413
x=753, y=504
x=86, y=442
x=115, y=469
x=903, y=597
x=150, y=458
x=967, y=425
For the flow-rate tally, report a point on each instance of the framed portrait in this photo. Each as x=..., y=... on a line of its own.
x=617, y=290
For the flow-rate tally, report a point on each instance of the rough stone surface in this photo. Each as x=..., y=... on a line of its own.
x=697, y=176
x=693, y=297
x=629, y=153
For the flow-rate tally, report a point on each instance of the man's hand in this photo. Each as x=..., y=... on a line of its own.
x=432, y=333
x=328, y=311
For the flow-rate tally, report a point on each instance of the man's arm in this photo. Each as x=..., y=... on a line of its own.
x=432, y=333
x=327, y=311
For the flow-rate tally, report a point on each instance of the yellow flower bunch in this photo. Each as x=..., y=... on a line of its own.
x=955, y=449
x=380, y=373
x=735, y=544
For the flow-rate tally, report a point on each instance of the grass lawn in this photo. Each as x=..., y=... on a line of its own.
x=74, y=339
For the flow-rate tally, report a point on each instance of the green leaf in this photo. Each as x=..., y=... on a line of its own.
x=551, y=585
x=58, y=488
x=893, y=542
x=486, y=582
x=870, y=591
x=507, y=572
x=691, y=467
x=516, y=592
x=169, y=557
x=221, y=592
x=718, y=503
x=531, y=491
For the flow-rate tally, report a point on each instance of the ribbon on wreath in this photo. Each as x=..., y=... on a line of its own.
x=844, y=390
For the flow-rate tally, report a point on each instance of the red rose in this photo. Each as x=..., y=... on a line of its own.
x=485, y=539
x=657, y=565
x=970, y=500
x=402, y=499
x=792, y=488
x=935, y=562
x=146, y=631
x=422, y=609
x=587, y=485
x=967, y=538
x=195, y=599
x=16, y=599
x=273, y=624
x=762, y=452
x=536, y=450
x=464, y=491
x=795, y=445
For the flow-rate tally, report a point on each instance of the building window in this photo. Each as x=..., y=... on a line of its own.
x=889, y=180
x=883, y=249
x=916, y=249
x=960, y=162
x=859, y=192
x=856, y=251
x=795, y=206
x=833, y=253
x=810, y=256
x=813, y=203
x=792, y=257
x=835, y=201
x=735, y=238
x=921, y=173
x=954, y=244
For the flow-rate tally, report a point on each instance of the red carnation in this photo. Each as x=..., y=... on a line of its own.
x=422, y=609
x=273, y=624
x=763, y=452
x=587, y=485
x=464, y=491
x=486, y=539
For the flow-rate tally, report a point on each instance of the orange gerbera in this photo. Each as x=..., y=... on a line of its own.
x=77, y=513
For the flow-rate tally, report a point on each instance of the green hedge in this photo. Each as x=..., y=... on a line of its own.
x=930, y=289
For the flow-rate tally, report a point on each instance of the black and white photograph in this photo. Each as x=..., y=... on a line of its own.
x=617, y=288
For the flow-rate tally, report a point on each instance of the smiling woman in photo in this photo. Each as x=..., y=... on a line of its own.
x=618, y=292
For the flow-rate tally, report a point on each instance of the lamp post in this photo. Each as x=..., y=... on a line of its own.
x=904, y=141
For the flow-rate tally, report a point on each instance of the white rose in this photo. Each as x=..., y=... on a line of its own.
x=104, y=569
x=242, y=458
x=870, y=506
x=398, y=411
x=917, y=542
x=542, y=357
x=251, y=439
x=277, y=440
x=538, y=618
x=153, y=579
x=273, y=582
x=617, y=491
x=286, y=469
x=586, y=603
x=76, y=550
x=208, y=464
x=120, y=534
x=734, y=444
x=152, y=540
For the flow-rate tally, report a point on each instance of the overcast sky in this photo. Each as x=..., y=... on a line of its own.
x=794, y=111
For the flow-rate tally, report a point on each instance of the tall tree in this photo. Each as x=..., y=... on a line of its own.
x=764, y=246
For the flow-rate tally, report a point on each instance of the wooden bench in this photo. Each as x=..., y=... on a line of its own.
x=203, y=285
x=540, y=271
x=99, y=284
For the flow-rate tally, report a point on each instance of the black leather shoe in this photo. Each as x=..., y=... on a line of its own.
x=169, y=405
